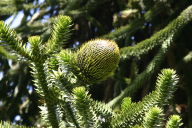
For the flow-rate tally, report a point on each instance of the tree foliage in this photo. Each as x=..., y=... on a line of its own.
x=42, y=54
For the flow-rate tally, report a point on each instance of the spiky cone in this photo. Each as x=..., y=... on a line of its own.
x=97, y=59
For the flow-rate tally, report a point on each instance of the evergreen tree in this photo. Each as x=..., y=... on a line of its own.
x=67, y=78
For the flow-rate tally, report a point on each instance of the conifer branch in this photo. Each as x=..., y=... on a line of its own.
x=103, y=112
x=64, y=97
x=101, y=109
x=60, y=34
x=174, y=122
x=9, y=7
x=67, y=62
x=125, y=31
x=130, y=29
x=145, y=75
x=172, y=29
x=153, y=66
x=41, y=69
x=153, y=118
x=126, y=103
x=36, y=48
x=82, y=102
x=12, y=41
x=165, y=87
x=6, y=54
x=75, y=9
x=68, y=110
x=40, y=79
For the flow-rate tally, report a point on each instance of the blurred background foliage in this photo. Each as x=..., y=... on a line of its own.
x=125, y=21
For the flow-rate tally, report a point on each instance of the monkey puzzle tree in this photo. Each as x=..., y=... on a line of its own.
x=66, y=77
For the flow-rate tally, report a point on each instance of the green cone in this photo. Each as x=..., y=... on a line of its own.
x=97, y=59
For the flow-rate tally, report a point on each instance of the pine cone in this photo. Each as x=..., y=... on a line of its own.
x=97, y=59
